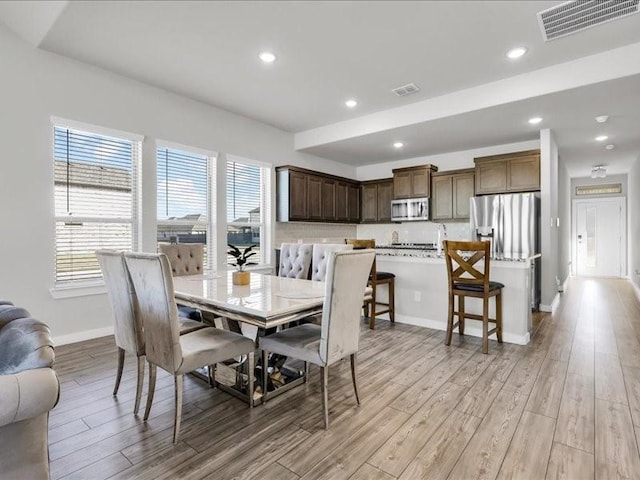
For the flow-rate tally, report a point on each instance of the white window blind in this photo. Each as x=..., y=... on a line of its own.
x=248, y=207
x=184, y=192
x=95, y=200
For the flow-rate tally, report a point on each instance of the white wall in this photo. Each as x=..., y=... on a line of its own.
x=633, y=212
x=36, y=85
x=564, y=213
x=548, y=218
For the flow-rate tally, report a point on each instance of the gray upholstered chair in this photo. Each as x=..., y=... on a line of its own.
x=165, y=347
x=295, y=260
x=29, y=389
x=337, y=337
x=320, y=258
x=127, y=326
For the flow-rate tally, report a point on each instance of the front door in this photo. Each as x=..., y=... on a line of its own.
x=598, y=233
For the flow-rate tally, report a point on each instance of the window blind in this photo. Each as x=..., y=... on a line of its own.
x=184, y=193
x=95, y=201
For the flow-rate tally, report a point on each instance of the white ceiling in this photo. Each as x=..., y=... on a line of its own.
x=330, y=51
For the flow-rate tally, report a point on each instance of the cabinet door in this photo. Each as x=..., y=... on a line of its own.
x=314, y=197
x=524, y=174
x=353, y=203
x=442, y=206
x=491, y=177
x=385, y=195
x=463, y=190
x=420, y=180
x=298, y=196
x=342, y=213
x=402, y=185
x=328, y=200
x=370, y=203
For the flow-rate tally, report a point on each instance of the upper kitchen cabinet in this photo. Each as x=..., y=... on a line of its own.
x=376, y=198
x=451, y=193
x=413, y=182
x=308, y=196
x=508, y=173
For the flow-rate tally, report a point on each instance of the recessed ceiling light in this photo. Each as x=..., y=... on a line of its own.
x=602, y=118
x=351, y=103
x=611, y=146
x=267, y=57
x=535, y=120
x=398, y=144
x=516, y=52
x=601, y=138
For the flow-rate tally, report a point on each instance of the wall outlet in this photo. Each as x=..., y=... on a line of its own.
x=416, y=296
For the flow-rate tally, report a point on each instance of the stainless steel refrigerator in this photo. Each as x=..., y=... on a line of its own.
x=512, y=223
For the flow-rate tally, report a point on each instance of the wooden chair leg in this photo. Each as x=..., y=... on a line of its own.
x=324, y=373
x=178, y=382
x=250, y=384
x=354, y=377
x=151, y=391
x=372, y=308
x=139, y=382
x=461, y=314
x=392, y=300
x=485, y=325
x=450, y=320
x=265, y=374
x=120, y=368
x=499, y=317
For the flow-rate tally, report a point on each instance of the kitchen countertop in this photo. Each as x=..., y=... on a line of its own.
x=421, y=251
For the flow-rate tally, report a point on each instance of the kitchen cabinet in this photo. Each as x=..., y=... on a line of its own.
x=376, y=198
x=451, y=193
x=413, y=182
x=305, y=195
x=508, y=173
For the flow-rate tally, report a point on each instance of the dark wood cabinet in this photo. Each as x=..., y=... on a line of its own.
x=413, y=182
x=508, y=173
x=376, y=198
x=451, y=193
x=305, y=195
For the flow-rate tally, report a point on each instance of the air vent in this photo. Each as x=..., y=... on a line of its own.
x=574, y=16
x=406, y=90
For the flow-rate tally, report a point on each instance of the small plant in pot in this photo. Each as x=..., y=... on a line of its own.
x=241, y=276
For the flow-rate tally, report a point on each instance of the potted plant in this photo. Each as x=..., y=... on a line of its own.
x=241, y=276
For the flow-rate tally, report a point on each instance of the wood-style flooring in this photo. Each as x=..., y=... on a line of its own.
x=566, y=406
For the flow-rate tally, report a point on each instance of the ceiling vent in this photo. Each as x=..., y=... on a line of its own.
x=406, y=90
x=576, y=15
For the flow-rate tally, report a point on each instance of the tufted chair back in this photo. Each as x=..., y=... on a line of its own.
x=321, y=258
x=295, y=260
x=185, y=258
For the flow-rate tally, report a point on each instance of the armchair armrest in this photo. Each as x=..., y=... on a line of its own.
x=27, y=394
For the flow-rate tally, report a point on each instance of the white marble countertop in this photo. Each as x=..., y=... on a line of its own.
x=385, y=251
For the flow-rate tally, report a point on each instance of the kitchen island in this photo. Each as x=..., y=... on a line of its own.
x=422, y=294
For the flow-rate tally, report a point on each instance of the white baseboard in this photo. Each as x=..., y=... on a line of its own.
x=468, y=330
x=554, y=305
x=82, y=336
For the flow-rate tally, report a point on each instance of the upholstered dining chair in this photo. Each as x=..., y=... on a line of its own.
x=337, y=336
x=127, y=325
x=320, y=258
x=295, y=260
x=165, y=347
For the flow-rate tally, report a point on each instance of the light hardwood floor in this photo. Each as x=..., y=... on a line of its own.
x=567, y=406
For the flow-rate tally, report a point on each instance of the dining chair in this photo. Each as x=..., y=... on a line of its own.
x=320, y=258
x=465, y=280
x=165, y=347
x=127, y=324
x=338, y=334
x=376, y=279
x=295, y=260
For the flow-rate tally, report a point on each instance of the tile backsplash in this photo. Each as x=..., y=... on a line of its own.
x=292, y=232
x=413, y=232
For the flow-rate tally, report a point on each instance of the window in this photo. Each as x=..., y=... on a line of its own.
x=248, y=207
x=95, y=200
x=184, y=198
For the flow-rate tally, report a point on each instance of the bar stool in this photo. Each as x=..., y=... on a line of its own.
x=467, y=281
x=375, y=279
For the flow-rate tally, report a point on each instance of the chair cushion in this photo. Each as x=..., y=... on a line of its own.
x=300, y=342
x=385, y=275
x=211, y=345
x=187, y=325
x=25, y=345
x=477, y=288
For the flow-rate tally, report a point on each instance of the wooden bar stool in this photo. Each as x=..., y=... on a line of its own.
x=375, y=279
x=467, y=281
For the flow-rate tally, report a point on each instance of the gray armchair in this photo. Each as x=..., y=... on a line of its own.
x=295, y=260
x=29, y=389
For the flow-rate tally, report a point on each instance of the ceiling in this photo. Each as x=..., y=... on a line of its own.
x=330, y=51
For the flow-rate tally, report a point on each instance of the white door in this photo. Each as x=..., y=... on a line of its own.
x=599, y=242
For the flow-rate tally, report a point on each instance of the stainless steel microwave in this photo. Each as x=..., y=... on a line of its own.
x=410, y=209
